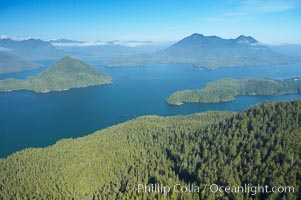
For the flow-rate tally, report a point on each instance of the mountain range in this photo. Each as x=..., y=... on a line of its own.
x=32, y=49
x=210, y=52
x=37, y=49
x=196, y=49
x=20, y=55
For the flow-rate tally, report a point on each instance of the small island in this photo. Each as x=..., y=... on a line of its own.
x=67, y=73
x=227, y=89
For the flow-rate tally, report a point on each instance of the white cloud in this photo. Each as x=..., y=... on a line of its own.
x=85, y=43
x=78, y=44
x=101, y=43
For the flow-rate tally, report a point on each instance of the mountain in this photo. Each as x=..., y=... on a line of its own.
x=245, y=40
x=101, y=52
x=65, y=74
x=40, y=50
x=260, y=146
x=210, y=52
x=106, y=50
x=227, y=89
x=32, y=49
x=11, y=63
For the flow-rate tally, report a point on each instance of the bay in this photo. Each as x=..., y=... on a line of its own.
x=28, y=119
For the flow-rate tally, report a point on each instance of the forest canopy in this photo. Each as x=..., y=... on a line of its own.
x=261, y=145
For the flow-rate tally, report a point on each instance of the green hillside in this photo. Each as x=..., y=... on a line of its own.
x=65, y=74
x=261, y=145
x=227, y=89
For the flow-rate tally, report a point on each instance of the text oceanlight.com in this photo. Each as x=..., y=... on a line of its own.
x=213, y=188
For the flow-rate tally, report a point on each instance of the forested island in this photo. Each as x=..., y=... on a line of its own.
x=261, y=145
x=227, y=89
x=65, y=74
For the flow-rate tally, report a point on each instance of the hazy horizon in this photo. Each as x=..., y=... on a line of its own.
x=157, y=21
x=130, y=43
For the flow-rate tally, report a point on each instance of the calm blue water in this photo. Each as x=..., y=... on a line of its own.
x=28, y=119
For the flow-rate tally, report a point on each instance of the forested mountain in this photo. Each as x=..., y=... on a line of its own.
x=65, y=74
x=32, y=49
x=210, y=52
x=11, y=63
x=227, y=89
x=261, y=145
x=37, y=49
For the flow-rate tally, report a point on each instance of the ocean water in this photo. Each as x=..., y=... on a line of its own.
x=28, y=119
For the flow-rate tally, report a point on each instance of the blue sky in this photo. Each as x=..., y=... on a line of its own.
x=157, y=20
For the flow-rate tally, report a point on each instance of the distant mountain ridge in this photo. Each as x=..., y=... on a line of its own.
x=197, y=49
x=10, y=63
x=210, y=52
x=32, y=49
x=199, y=40
x=37, y=49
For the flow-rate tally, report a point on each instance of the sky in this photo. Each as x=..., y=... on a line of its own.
x=273, y=21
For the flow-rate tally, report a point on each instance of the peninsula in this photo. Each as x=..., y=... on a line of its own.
x=227, y=89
